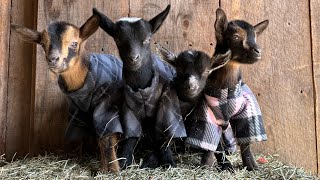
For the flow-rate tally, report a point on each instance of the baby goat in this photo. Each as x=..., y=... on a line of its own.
x=151, y=104
x=229, y=98
x=91, y=83
x=193, y=69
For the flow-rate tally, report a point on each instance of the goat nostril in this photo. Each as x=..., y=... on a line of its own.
x=134, y=58
x=137, y=57
x=53, y=60
x=258, y=51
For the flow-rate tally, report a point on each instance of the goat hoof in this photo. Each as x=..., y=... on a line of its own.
x=225, y=166
x=114, y=167
x=250, y=164
x=125, y=162
x=151, y=162
x=166, y=158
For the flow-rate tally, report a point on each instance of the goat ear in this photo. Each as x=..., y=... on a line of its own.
x=220, y=60
x=89, y=27
x=221, y=24
x=105, y=23
x=26, y=34
x=166, y=55
x=260, y=27
x=158, y=20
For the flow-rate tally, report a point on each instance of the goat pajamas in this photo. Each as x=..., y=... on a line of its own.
x=236, y=105
x=156, y=107
x=94, y=108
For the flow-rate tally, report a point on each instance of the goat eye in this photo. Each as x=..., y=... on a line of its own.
x=236, y=37
x=147, y=40
x=73, y=45
x=42, y=44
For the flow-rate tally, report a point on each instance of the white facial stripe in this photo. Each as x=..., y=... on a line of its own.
x=130, y=19
x=193, y=82
x=190, y=52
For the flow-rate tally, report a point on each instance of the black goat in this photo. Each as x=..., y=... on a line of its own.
x=151, y=104
x=193, y=69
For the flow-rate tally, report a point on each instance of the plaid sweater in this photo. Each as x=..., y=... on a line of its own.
x=155, y=108
x=237, y=106
x=93, y=109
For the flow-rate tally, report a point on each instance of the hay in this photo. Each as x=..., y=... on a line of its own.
x=71, y=167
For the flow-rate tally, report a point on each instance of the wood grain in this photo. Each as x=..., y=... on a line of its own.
x=282, y=80
x=19, y=81
x=50, y=107
x=315, y=31
x=5, y=7
x=189, y=24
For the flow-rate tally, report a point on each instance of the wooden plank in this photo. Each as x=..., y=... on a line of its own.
x=5, y=7
x=19, y=82
x=189, y=24
x=315, y=26
x=282, y=80
x=50, y=108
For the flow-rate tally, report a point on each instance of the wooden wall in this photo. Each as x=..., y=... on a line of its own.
x=286, y=81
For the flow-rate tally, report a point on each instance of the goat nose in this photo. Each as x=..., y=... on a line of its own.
x=53, y=60
x=134, y=58
x=191, y=86
x=257, y=50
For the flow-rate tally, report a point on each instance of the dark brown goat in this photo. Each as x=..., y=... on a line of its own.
x=64, y=47
x=240, y=37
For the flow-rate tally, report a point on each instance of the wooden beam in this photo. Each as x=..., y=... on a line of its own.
x=19, y=81
x=5, y=7
x=282, y=80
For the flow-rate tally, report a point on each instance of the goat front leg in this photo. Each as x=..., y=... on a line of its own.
x=107, y=145
x=126, y=158
x=162, y=156
x=247, y=157
x=222, y=160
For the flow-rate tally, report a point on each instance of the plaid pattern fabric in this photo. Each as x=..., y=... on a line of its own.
x=155, y=107
x=236, y=105
x=93, y=109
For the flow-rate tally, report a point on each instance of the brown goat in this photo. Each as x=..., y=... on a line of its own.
x=64, y=47
x=240, y=107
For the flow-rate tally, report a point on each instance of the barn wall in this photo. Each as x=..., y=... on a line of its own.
x=285, y=81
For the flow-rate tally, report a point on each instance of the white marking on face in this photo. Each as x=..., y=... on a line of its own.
x=130, y=19
x=193, y=83
x=190, y=52
x=245, y=44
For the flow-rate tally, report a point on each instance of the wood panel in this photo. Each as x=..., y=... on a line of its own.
x=283, y=80
x=189, y=24
x=50, y=108
x=19, y=81
x=5, y=7
x=315, y=26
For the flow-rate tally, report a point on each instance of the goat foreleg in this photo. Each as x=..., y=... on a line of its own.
x=107, y=145
x=247, y=157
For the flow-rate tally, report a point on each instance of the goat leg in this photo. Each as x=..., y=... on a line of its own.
x=247, y=157
x=161, y=156
x=108, y=153
x=129, y=145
